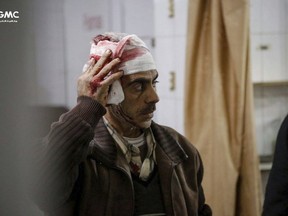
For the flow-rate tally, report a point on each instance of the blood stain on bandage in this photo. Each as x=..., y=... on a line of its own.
x=132, y=54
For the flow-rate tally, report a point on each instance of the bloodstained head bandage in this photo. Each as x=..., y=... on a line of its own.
x=134, y=54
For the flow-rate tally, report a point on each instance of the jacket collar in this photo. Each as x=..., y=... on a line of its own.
x=103, y=148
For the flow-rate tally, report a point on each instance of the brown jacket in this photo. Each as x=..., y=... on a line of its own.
x=94, y=177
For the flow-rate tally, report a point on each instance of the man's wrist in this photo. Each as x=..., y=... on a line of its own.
x=89, y=110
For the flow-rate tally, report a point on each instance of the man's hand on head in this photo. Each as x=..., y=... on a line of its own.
x=95, y=81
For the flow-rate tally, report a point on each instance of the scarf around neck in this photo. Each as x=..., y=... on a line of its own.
x=132, y=153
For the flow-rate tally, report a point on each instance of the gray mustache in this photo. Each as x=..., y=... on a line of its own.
x=148, y=109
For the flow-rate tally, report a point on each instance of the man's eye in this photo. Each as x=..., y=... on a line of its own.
x=138, y=86
x=155, y=83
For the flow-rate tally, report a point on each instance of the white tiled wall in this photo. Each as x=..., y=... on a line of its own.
x=170, y=54
x=269, y=27
x=138, y=17
x=273, y=16
x=274, y=60
x=255, y=16
x=164, y=26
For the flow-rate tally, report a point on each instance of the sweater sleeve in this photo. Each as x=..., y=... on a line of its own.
x=62, y=151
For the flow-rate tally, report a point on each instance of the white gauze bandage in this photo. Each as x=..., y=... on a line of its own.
x=134, y=54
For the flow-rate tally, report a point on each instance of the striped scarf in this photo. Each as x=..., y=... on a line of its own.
x=132, y=152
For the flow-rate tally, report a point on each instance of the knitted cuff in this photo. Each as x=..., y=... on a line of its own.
x=89, y=110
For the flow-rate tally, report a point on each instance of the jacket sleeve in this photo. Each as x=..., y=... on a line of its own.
x=276, y=196
x=62, y=151
x=197, y=172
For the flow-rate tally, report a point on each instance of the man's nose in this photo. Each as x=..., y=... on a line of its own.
x=152, y=96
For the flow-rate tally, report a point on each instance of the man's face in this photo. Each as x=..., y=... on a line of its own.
x=140, y=97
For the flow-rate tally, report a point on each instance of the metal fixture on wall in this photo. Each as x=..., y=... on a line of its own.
x=172, y=80
x=264, y=47
x=171, y=8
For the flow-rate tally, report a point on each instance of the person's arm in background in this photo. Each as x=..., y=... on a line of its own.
x=66, y=145
x=276, y=195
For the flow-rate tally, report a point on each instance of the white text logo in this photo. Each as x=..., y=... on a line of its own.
x=9, y=16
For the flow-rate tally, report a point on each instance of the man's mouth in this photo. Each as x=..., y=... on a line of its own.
x=149, y=111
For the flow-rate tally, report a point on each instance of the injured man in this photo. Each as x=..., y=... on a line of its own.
x=106, y=156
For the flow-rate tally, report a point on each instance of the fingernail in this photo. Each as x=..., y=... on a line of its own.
x=108, y=51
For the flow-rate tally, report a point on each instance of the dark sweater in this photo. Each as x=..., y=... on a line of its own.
x=148, y=195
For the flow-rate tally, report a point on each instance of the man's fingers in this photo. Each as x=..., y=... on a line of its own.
x=115, y=76
x=101, y=85
x=107, y=68
x=101, y=62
